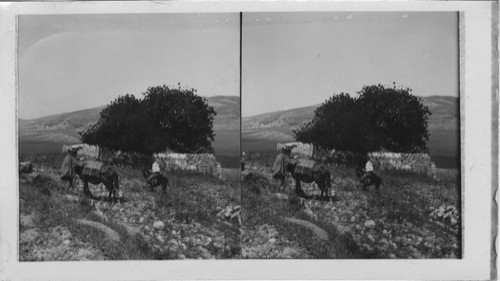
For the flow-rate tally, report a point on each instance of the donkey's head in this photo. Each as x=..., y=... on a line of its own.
x=359, y=172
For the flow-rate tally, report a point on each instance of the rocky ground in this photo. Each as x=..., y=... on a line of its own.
x=413, y=217
x=198, y=218
x=203, y=218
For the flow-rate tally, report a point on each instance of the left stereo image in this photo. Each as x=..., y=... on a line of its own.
x=129, y=136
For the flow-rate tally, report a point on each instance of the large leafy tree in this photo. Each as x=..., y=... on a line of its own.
x=166, y=118
x=398, y=117
x=388, y=118
x=183, y=120
x=337, y=124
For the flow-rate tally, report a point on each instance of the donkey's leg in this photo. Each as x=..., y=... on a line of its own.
x=322, y=187
x=164, y=185
x=298, y=189
x=109, y=187
x=86, y=189
x=70, y=183
x=377, y=186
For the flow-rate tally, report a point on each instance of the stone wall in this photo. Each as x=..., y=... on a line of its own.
x=413, y=162
x=383, y=161
x=202, y=163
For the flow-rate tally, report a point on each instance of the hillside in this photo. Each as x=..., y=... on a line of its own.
x=444, y=116
x=48, y=134
x=188, y=221
x=261, y=132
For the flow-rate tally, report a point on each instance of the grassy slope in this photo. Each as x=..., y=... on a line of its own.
x=401, y=214
x=189, y=207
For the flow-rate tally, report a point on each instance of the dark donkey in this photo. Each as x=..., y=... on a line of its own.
x=96, y=173
x=369, y=179
x=156, y=180
x=309, y=171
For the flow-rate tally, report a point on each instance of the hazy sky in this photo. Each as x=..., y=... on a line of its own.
x=298, y=59
x=72, y=62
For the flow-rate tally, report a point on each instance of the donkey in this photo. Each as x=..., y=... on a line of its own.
x=96, y=173
x=309, y=171
x=156, y=180
x=369, y=179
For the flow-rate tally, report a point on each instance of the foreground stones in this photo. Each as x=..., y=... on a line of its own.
x=315, y=229
x=57, y=244
x=353, y=215
x=111, y=234
x=266, y=243
x=166, y=232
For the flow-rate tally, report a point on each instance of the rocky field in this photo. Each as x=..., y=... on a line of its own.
x=198, y=218
x=413, y=217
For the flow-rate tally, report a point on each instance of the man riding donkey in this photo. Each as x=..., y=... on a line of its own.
x=368, y=169
x=154, y=177
x=368, y=177
x=68, y=166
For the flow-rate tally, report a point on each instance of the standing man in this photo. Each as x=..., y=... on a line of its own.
x=279, y=166
x=68, y=167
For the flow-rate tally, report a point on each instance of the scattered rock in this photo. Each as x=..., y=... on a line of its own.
x=27, y=220
x=370, y=237
x=160, y=239
x=25, y=167
x=72, y=198
x=29, y=235
x=159, y=225
x=111, y=234
x=318, y=231
x=280, y=196
x=370, y=224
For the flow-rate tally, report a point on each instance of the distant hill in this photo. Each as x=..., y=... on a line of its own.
x=47, y=134
x=263, y=131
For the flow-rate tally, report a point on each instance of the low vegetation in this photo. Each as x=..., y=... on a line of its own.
x=185, y=222
x=199, y=217
x=261, y=208
x=414, y=216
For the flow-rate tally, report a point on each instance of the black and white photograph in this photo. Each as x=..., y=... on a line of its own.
x=128, y=137
x=357, y=150
x=228, y=140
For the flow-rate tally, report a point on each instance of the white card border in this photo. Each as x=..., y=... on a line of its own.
x=477, y=113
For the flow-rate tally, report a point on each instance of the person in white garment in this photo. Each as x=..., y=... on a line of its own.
x=368, y=169
x=155, y=170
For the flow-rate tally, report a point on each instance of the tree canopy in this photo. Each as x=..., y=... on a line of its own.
x=379, y=118
x=166, y=118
